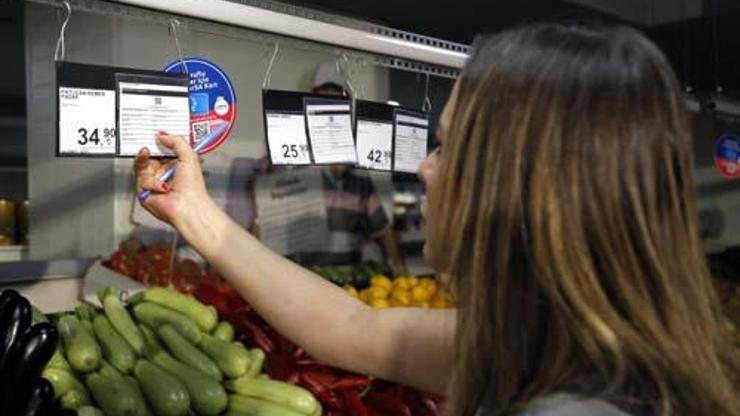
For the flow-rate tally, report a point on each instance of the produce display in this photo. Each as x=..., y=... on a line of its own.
x=404, y=291
x=27, y=343
x=339, y=392
x=161, y=353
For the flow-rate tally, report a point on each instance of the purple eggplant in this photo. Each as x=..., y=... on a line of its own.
x=39, y=401
x=15, y=318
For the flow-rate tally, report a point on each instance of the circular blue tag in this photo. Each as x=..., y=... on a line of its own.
x=727, y=156
x=212, y=102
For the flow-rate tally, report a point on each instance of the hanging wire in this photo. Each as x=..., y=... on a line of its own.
x=715, y=44
x=174, y=26
x=426, y=107
x=268, y=73
x=59, y=51
x=344, y=58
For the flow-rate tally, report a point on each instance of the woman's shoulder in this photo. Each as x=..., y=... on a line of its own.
x=569, y=405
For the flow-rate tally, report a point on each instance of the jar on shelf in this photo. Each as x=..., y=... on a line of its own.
x=7, y=222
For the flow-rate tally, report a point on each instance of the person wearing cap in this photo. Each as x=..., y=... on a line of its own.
x=355, y=215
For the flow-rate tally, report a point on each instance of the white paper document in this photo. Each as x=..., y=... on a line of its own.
x=374, y=144
x=87, y=121
x=291, y=212
x=286, y=139
x=145, y=109
x=411, y=142
x=330, y=132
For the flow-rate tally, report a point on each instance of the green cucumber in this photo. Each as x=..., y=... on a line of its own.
x=155, y=316
x=224, y=331
x=85, y=312
x=115, y=349
x=206, y=318
x=207, y=396
x=114, y=397
x=257, y=361
x=82, y=351
x=187, y=352
x=284, y=394
x=231, y=359
x=58, y=361
x=74, y=399
x=62, y=381
x=152, y=347
x=144, y=409
x=250, y=406
x=89, y=411
x=165, y=393
x=121, y=320
x=107, y=370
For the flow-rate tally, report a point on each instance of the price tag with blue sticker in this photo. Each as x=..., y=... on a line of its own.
x=727, y=156
x=212, y=102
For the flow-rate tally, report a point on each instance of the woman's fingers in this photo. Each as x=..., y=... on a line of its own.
x=180, y=146
x=148, y=173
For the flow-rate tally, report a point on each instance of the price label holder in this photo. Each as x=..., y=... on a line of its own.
x=87, y=113
x=285, y=128
x=329, y=123
x=374, y=135
x=411, y=134
x=148, y=104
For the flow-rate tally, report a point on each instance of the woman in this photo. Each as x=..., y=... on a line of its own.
x=562, y=199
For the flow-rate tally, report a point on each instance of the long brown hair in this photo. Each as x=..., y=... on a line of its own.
x=566, y=200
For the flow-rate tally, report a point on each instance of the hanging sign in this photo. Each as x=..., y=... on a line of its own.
x=88, y=101
x=727, y=156
x=329, y=122
x=374, y=135
x=410, y=140
x=212, y=100
x=285, y=128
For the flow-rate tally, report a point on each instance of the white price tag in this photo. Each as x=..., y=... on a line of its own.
x=411, y=142
x=374, y=144
x=286, y=138
x=330, y=131
x=87, y=121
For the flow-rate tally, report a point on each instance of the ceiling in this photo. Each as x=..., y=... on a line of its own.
x=685, y=29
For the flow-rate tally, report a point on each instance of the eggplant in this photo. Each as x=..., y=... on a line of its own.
x=39, y=400
x=15, y=318
x=32, y=352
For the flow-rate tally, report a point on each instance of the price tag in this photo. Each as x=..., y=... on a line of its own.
x=374, y=145
x=287, y=141
x=330, y=130
x=87, y=121
x=412, y=130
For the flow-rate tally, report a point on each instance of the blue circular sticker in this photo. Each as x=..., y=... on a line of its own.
x=212, y=102
x=727, y=156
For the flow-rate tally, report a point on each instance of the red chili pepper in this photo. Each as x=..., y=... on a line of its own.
x=256, y=335
x=326, y=380
x=293, y=378
x=353, y=404
x=328, y=398
x=279, y=366
x=210, y=296
x=350, y=382
x=388, y=403
x=299, y=352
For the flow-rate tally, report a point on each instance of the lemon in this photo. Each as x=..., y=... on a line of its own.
x=381, y=281
x=430, y=285
x=401, y=283
x=402, y=296
x=380, y=303
x=419, y=294
x=377, y=292
x=413, y=280
x=351, y=290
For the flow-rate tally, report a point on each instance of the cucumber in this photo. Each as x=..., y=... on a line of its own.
x=74, y=399
x=107, y=370
x=165, y=393
x=256, y=362
x=284, y=394
x=144, y=409
x=115, y=349
x=207, y=396
x=58, y=361
x=62, y=381
x=121, y=320
x=85, y=312
x=155, y=316
x=152, y=347
x=82, y=351
x=114, y=397
x=231, y=359
x=206, y=318
x=224, y=331
x=249, y=406
x=187, y=352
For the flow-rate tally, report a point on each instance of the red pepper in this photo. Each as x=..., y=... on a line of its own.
x=293, y=378
x=279, y=366
x=326, y=380
x=353, y=404
x=328, y=398
x=388, y=403
x=209, y=295
x=350, y=382
x=257, y=336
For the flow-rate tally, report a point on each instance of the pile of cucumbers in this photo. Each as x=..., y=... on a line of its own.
x=163, y=353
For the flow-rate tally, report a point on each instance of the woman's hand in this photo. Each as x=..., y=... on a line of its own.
x=171, y=202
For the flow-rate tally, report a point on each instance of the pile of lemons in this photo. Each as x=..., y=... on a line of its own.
x=404, y=291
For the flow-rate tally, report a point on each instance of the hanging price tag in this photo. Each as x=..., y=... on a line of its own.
x=410, y=145
x=288, y=144
x=374, y=137
x=87, y=121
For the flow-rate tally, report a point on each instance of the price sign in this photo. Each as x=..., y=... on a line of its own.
x=374, y=145
x=410, y=145
x=288, y=144
x=87, y=121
